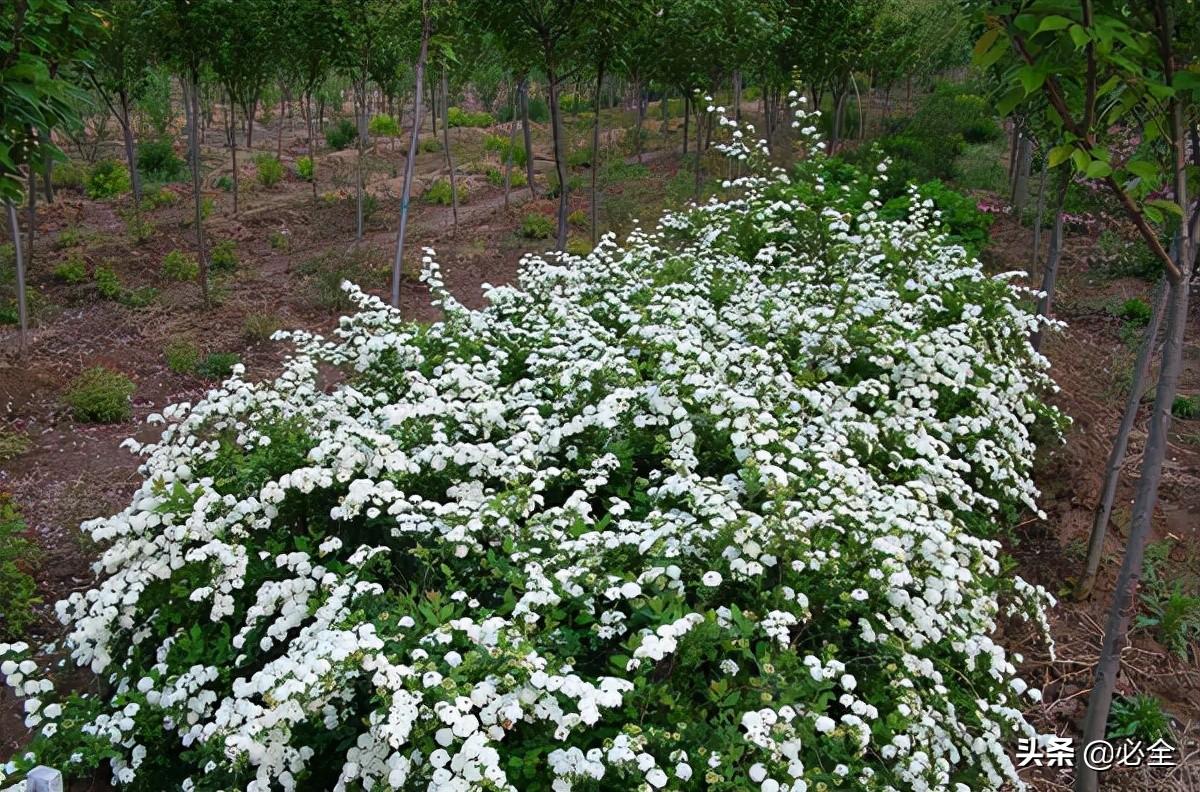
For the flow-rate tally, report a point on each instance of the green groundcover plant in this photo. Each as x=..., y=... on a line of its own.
x=709, y=510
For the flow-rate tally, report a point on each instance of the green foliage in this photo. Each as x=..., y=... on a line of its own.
x=964, y=223
x=18, y=558
x=535, y=225
x=304, y=168
x=280, y=240
x=1135, y=310
x=100, y=395
x=1170, y=601
x=180, y=266
x=156, y=161
x=619, y=171
x=1138, y=717
x=1186, y=407
x=207, y=207
x=13, y=443
x=438, y=193
x=504, y=148
x=516, y=177
x=139, y=297
x=72, y=269
x=224, y=183
x=68, y=176
x=579, y=219
x=580, y=157
x=259, y=327
x=223, y=257
x=981, y=167
x=539, y=111
x=955, y=115
x=107, y=282
x=182, y=355
x=458, y=117
x=268, y=169
x=108, y=178
x=1118, y=257
x=154, y=197
x=138, y=227
x=325, y=274
x=383, y=126
x=340, y=134
x=574, y=183
x=577, y=246
x=430, y=145
x=217, y=365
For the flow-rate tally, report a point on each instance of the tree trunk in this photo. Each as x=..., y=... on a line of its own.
x=279, y=136
x=1020, y=194
x=312, y=151
x=360, y=113
x=700, y=128
x=1050, y=274
x=253, y=111
x=14, y=228
x=512, y=144
x=1116, y=455
x=449, y=154
x=48, y=180
x=1041, y=218
x=637, y=131
x=433, y=108
x=194, y=147
x=560, y=160
x=127, y=132
x=596, y=157
x=1129, y=578
x=687, y=118
x=397, y=263
x=737, y=95
x=528, y=137
x=32, y=229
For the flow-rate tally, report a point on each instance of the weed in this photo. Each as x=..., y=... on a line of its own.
x=305, y=168
x=217, y=365
x=341, y=134
x=107, y=282
x=268, y=169
x=326, y=273
x=139, y=228
x=68, y=176
x=156, y=160
x=100, y=395
x=516, y=177
x=1186, y=407
x=1138, y=717
x=259, y=327
x=384, y=126
x=107, y=179
x=1135, y=310
x=457, y=117
x=182, y=356
x=430, y=145
x=504, y=149
x=18, y=557
x=72, y=269
x=139, y=297
x=578, y=218
x=280, y=240
x=223, y=258
x=224, y=183
x=12, y=444
x=179, y=266
x=439, y=193
x=535, y=225
x=577, y=246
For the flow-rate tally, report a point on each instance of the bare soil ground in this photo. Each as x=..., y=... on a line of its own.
x=72, y=472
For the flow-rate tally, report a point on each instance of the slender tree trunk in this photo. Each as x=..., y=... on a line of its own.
x=253, y=111
x=406, y=192
x=1116, y=455
x=528, y=137
x=193, y=104
x=560, y=160
x=596, y=157
x=127, y=133
x=1129, y=578
x=1050, y=274
x=640, y=116
x=231, y=133
x=512, y=144
x=687, y=114
x=737, y=95
x=449, y=154
x=1020, y=194
x=48, y=180
x=433, y=107
x=1041, y=218
x=14, y=228
x=360, y=112
x=279, y=136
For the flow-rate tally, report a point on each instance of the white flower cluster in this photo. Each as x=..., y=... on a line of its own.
x=706, y=509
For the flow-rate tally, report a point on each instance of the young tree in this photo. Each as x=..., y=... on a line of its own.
x=1101, y=68
x=413, y=147
x=34, y=101
x=118, y=69
x=309, y=42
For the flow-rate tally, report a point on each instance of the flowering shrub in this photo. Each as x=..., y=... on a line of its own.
x=709, y=510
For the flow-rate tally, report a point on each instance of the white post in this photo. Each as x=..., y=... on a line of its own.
x=44, y=779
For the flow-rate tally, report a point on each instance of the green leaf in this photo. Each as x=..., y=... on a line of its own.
x=1053, y=22
x=1059, y=155
x=1080, y=36
x=1081, y=160
x=1098, y=169
x=1007, y=103
x=1143, y=169
x=986, y=41
x=1166, y=206
x=1031, y=79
